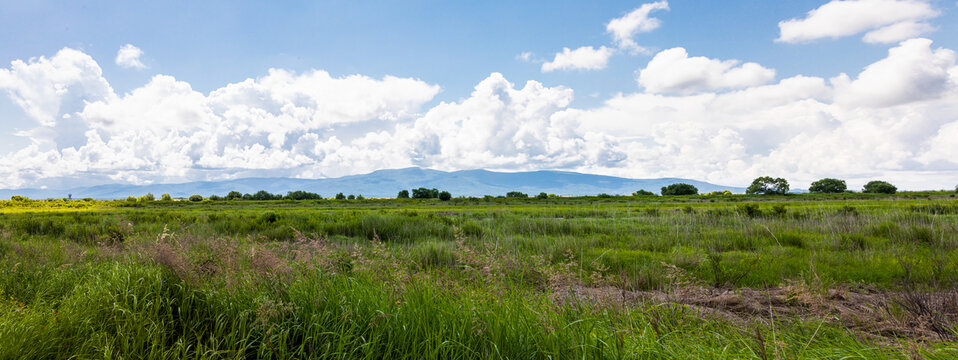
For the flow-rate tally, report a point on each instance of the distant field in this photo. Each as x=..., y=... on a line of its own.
x=798, y=276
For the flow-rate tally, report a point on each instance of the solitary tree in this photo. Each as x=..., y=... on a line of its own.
x=879, y=187
x=149, y=197
x=424, y=193
x=680, y=189
x=234, y=195
x=403, y=194
x=542, y=195
x=828, y=185
x=340, y=196
x=166, y=197
x=351, y=197
x=768, y=186
x=445, y=196
x=195, y=198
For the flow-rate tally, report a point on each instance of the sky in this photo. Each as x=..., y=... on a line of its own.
x=95, y=92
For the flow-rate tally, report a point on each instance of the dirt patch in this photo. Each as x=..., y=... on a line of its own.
x=921, y=316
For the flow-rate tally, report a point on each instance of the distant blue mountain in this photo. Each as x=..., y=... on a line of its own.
x=386, y=183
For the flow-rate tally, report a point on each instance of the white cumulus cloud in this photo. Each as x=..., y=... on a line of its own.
x=726, y=123
x=129, y=57
x=887, y=21
x=673, y=70
x=583, y=58
x=637, y=21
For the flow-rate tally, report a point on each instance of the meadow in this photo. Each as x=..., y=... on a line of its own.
x=844, y=276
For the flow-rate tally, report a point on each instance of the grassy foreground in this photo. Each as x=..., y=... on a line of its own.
x=686, y=277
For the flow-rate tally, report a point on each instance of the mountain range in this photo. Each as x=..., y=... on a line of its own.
x=386, y=183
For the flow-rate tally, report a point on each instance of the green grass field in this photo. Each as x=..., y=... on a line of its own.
x=846, y=276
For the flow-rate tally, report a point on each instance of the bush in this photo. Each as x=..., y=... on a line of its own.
x=215, y=197
x=680, y=189
x=445, y=196
x=750, y=210
x=768, y=186
x=879, y=187
x=829, y=186
x=351, y=197
x=195, y=198
x=542, y=196
x=234, y=195
x=131, y=199
x=403, y=194
x=642, y=192
x=516, y=194
x=340, y=196
x=166, y=197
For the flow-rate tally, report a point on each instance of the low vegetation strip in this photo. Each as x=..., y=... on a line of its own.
x=794, y=276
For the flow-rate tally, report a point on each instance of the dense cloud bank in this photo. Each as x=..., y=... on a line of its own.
x=719, y=120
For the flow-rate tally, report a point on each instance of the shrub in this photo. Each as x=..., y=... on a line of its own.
x=148, y=197
x=166, y=197
x=340, y=196
x=351, y=197
x=19, y=198
x=680, y=189
x=879, y=187
x=643, y=192
x=403, y=194
x=516, y=194
x=750, y=210
x=604, y=196
x=234, y=195
x=779, y=210
x=215, y=197
x=768, y=186
x=131, y=198
x=542, y=195
x=360, y=197
x=195, y=198
x=828, y=185
x=445, y=196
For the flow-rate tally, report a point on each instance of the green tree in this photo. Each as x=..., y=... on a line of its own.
x=166, y=197
x=19, y=198
x=131, y=198
x=215, y=197
x=351, y=197
x=302, y=195
x=403, y=194
x=879, y=187
x=340, y=196
x=234, y=195
x=768, y=186
x=445, y=196
x=516, y=194
x=828, y=185
x=680, y=189
x=424, y=193
x=643, y=192
x=542, y=196
x=196, y=198
x=149, y=197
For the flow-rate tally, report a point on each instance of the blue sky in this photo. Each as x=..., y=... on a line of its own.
x=446, y=51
